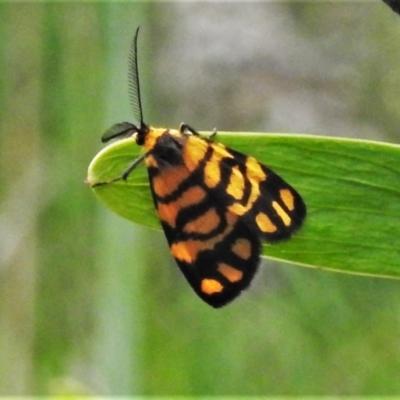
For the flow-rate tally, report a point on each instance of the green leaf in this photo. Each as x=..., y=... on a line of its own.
x=351, y=189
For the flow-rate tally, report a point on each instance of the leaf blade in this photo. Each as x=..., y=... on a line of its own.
x=349, y=186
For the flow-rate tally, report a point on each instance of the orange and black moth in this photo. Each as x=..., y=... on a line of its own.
x=215, y=204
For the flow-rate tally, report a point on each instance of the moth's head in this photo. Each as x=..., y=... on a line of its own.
x=141, y=134
x=124, y=130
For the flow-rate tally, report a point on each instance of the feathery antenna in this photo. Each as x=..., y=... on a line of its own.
x=134, y=85
x=125, y=129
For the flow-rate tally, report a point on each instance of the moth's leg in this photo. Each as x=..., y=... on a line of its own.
x=214, y=133
x=184, y=128
x=125, y=174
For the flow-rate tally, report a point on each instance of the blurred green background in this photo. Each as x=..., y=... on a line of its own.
x=92, y=304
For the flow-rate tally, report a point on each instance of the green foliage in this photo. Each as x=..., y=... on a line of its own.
x=350, y=188
x=92, y=303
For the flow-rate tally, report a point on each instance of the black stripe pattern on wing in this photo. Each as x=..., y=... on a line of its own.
x=216, y=211
x=209, y=243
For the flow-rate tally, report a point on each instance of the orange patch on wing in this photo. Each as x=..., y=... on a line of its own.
x=282, y=214
x=212, y=173
x=211, y=286
x=288, y=199
x=240, y=209
x=188, y=250
x=242, y=248
x=168, y=180
x=230, y=273
x=254, y=170
x=168, y=212
x=264, y=223
x=255, y=175
x=204, y=223
x=193, y=151
x=221, y=151
x=236, y=184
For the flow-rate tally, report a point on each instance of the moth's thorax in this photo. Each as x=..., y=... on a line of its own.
x=153, y=134
x=162, y=148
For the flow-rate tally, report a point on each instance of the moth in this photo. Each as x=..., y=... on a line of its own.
x=215, y=204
